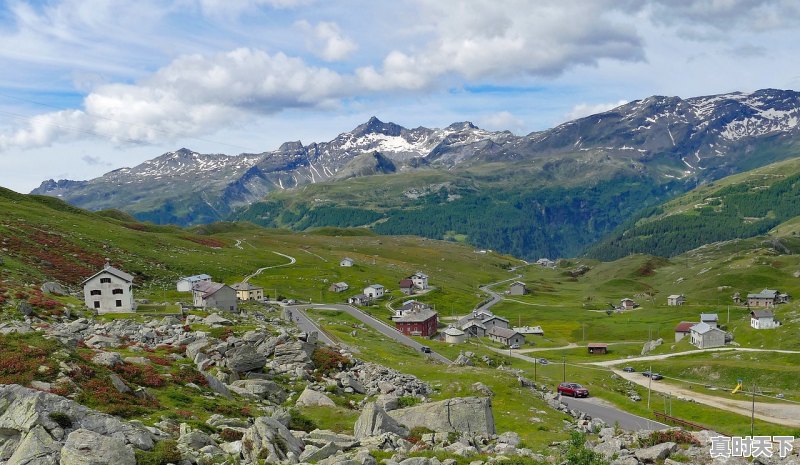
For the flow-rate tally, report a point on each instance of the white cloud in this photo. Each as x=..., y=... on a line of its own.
x=327, y=41
x=231, y=8
x=501, y=121
x=586, y=109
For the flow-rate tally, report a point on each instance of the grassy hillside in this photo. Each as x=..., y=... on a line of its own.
x=740, y=206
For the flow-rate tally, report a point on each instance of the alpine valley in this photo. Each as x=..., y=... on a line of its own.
x=549, y=193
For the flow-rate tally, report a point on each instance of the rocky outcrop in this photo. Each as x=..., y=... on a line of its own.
x=269, y=440
x=374, y=421
x=245, y=358
x=312, y=398
x=471, y=415
x=260, y=389
x=37, y=448
x=84, y=447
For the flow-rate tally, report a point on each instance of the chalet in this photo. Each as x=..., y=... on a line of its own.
x=339, y=287
x=423, y=322
x=109, y=291
x=517, y=288
x=346, y=261
x=374, y=291
x=247, y=291
x=675, y=300
x=683, y=329
x=214, y=295
x=420, y=280
x=525, y=330
x=710, y=318
x=186, y=283
x=454, y=335
x=360, y=300
x=406, y=286
x=705, y=336
x=595, y=348
x=546, y=262
x=627, y=304
x=474, y=328
x=486, y=318
x=505, y=336
x=767, y=298
x=763, y=319
x=494, y=320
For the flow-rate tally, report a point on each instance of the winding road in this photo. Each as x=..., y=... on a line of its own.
x=494, y=297
x=292, y=261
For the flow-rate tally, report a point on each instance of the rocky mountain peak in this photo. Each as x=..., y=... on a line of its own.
x=462, y=126
x=376, y=126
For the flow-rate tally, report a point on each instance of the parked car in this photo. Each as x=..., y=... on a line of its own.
x=543, y=361
x=628, y=370
x=572, y=389
x=425, y=349
x=646, y=374
x=514, y=346
x=656, y=376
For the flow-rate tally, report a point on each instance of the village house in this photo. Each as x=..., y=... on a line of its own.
x=409, y=307
x=595, y=348
x=360, y=300
x=705, y=336
x=763, y=319
x=505, y=336
x=346, y=261
x=525, y=330
x=109, y=291
x=546, y=262
x=374, y=291
x=339, y=287
x=486, y=319
x=474, y=328
x=454, y=335
x=675, y=300
x=186, y=283
x=683, y=329
x=712, y=319
x=627, y=304
x=247, y=291
x=423, y=322
x=420, y=280
x=214, y=295
x=517, y=288
x=767, y=298
x=406, y=286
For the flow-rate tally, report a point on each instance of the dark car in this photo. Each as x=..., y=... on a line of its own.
x=543, y=361
x=425, y=349
x=628, y=370
x=573, y=390
x=646, y=374
x=656, y=376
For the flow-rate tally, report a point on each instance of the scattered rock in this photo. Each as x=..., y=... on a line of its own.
x=374, y=421
x=310, y=398
x=471, y=415
x=84, y=447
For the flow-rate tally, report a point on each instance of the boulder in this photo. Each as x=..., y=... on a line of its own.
x=37, y=448
x=320, y=437
x=482, y=389
x=84, y=447
x=216, y=319
x=268, y=439
x=216, y=385
x=99, y=342
x=471, y=415
x=52, y=287
x=312, y=398
x=314, y=454
x=196, y=347
x=245, y=358
x=374, y=421
x=609, y=447
x=107, y=359
x=119, y=384
x=655, y=453
x=292, y=355
x=262, y=389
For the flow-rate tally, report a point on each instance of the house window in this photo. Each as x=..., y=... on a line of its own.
x=96, y=304
x=96, y=292
x=119, y=303
x=117, y=291
x=105, y=280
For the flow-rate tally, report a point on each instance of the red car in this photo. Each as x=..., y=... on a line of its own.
x=572, y=389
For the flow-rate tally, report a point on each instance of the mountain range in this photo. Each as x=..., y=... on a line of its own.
x=552, y=192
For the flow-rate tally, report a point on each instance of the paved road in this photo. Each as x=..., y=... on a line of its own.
x=376, y=324
x=494, y=297
x=598, y=408
x=291, y=261
x=305, y=324
x=608, y=363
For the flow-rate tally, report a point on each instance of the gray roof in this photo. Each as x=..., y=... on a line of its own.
x=114, y=271
x=374, y=286
x=676, y=296
x=450, y=331
x=703, y=328
x=709, y=317
x=423, y=314
x=762, y=314
x=245, y=287
x=196, y=278
x=420, y=275
x=472, y=323
x=765, y=294
x=207, y=288
x=504, y=333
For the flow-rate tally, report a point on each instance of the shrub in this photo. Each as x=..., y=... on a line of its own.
x=407, y=401
x=415, y=435
x=163, y=453
x=229, y=435
x=328, y=361
x=144, y=375
x=300, y=422
x=576, y=452
x=677, y=436
x=61, y=419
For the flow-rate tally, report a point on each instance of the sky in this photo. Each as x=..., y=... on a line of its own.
x=89, y=86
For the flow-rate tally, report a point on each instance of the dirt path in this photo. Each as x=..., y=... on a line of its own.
x=292, y=261
x=780, y=413
x=608, y=363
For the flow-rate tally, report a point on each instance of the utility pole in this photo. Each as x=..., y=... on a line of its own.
x=753, y=412
x=534, y=369
x=649, y=384
x=564, y=364
x=729, y=314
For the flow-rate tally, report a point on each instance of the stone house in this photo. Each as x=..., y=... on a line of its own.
x=627, y=304
x=359, y=299
x=676, y=299
x=763, y=319
x=767, y=298
x=186, y=283
x=705, y=336
x=339, y=287
x=505, y=336
x=712, y=319
x=215, y=295
x=546, y=262
x=595, y=348
x=517, y=288
x=474, y=328
x=423, y=322
x=110, y=290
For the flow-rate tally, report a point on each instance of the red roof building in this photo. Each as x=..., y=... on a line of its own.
x=423, y=322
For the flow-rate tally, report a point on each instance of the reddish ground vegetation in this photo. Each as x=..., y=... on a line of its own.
x=206, y=241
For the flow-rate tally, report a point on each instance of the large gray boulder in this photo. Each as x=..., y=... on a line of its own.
x=270, y=440
x=461, y=414
x=84, y=447
x=312, y=398
x=262, y=389
x=657, y=452
x=21, y=409
x=374, y=421
x=37, y=448
x=292, y=355
x=245, y=358
x=52, y=287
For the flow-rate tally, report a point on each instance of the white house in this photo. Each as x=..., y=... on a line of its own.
x=374, y=291
x=346, y=261
x=419, y=279
x=628, y=304
x=109, y=291
x=676, y=299
x=214, y=295
x=359, y=299
x=247, y=291
x=763, y=319
x=705, y=336
x=186, y=283
x=453, y=335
